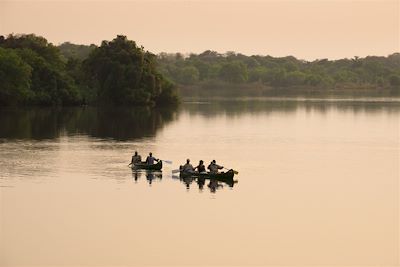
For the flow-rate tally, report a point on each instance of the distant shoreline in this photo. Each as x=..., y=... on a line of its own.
x=257, y=90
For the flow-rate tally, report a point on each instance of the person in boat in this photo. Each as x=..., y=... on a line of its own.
x=187, y=167
x=214, y=167
x=136, y=158
x=200, y=168
x=150, y=159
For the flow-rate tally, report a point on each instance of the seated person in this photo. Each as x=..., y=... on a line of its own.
x=136, y=158
x=187, y=167
x=214, y=167
x=200, y=168
x=150, y=159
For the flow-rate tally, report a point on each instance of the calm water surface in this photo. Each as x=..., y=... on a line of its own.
x=318, y=184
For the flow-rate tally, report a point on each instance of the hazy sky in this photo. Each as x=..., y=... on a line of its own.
x=305, y=29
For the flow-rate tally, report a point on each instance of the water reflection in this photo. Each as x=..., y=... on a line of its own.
x=116, y=123
x=134, y=123
x=189, y=182
x=212, y=184
x=150, y=175
x=232, y=108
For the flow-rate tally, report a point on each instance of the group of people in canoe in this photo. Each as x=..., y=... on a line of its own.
x=213, y=167
x=137, y=159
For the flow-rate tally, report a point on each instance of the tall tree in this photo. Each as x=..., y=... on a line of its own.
x=123, y=73
x=15, y=77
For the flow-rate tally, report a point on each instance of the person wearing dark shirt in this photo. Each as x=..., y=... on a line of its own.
x=136, y=158
x=187, y=167
x=150, y=159
x=200, y=168
x=214, y=167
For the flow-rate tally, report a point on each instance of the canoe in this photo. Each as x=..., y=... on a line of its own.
x=218, y=176
x=144, y=166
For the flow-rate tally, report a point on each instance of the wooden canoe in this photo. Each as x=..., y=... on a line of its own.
x=145, y=166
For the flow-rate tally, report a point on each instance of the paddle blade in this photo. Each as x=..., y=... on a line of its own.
x=235, y=172
x=175, y=171
x=167, y=161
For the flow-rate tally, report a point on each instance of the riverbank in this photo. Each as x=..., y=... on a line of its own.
x=225, y=90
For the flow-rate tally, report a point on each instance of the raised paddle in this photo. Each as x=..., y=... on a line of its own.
x=235, y=172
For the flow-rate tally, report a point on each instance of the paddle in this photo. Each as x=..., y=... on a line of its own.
x=235, y=172
x=175, y=171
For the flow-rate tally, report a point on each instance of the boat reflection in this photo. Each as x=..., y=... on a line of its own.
x=212, y=184
x=189, y=182
x=150, y=175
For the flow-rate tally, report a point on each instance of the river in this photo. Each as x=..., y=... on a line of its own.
x=318, y=184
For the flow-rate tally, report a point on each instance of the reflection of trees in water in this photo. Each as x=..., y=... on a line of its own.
x=115, y=123
x=133, y=123
x=233, y=108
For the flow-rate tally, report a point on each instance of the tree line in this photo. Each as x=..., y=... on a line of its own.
x=118, y=72
x=210, y=68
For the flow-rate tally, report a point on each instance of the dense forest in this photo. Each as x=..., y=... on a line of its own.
x=211, y=70
x=118, y=72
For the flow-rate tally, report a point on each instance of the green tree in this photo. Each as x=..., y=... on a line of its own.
x=50, y=84
x=257, y=74
x=123, y=73
x=278, y=77
x=394, y=80
x=73, y=51
x=234, y=72
x=15, y=77
x=295, y=78
x=189, y=75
